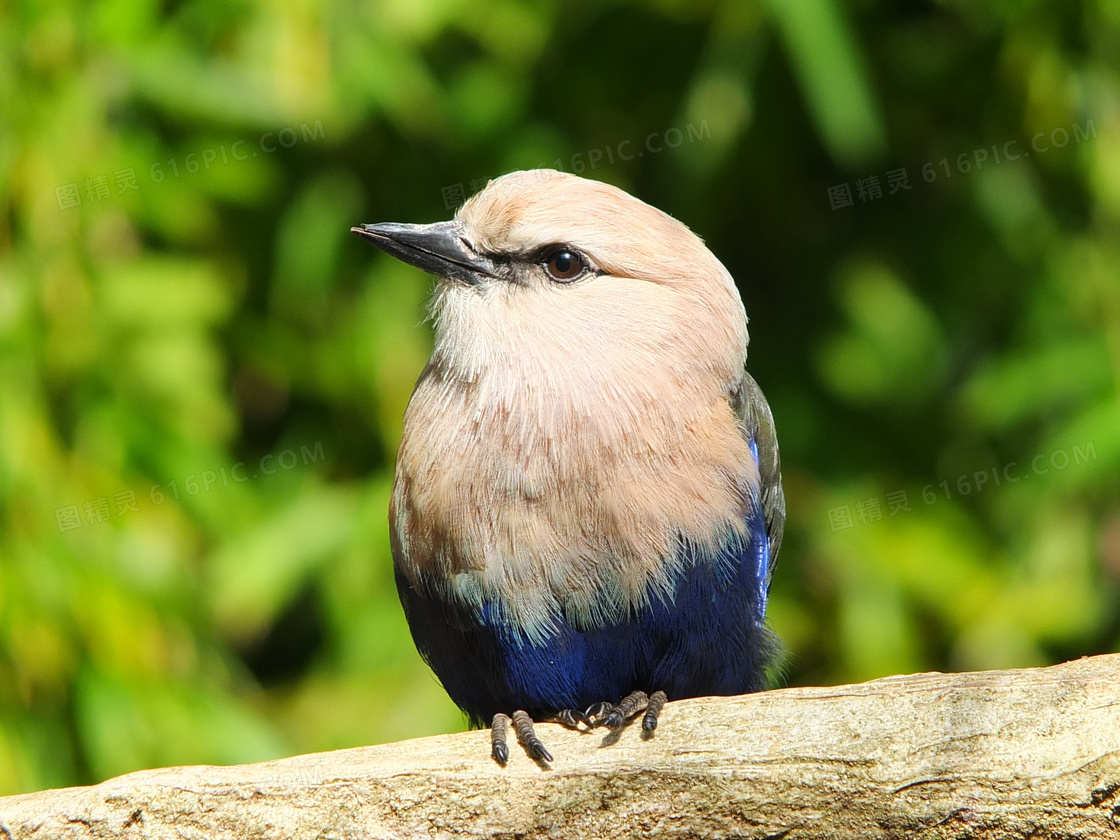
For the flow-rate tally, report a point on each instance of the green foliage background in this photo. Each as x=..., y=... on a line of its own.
x=155, y=338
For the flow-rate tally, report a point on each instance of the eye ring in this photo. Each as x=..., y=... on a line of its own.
x=564, y=265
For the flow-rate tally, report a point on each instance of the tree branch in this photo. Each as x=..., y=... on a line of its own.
x=1029, y=753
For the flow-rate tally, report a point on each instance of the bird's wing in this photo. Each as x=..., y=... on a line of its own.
x=758, y=424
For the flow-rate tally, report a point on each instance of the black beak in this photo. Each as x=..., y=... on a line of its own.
x=439, y=249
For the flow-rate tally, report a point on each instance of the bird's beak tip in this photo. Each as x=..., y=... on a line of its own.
x=367, y=231
x=435, y=248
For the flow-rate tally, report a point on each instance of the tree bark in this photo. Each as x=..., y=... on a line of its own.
x=1028, y=753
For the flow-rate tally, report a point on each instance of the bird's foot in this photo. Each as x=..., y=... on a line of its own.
x=592, y=717
x=614, y=716
x=631, y=705
x=598, y=713
x=498, y=747
x=653, y=711
x=526, y=736
x=611, y=715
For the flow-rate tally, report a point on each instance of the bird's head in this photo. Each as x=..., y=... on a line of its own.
x=547, y=277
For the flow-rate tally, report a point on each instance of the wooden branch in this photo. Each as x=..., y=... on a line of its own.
x=1031, y=753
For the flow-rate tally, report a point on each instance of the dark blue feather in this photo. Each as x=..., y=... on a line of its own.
x=709, y=638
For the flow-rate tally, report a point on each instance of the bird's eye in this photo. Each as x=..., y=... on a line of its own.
x=564, y=265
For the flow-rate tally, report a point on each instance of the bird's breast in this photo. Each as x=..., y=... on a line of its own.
x=551, y=507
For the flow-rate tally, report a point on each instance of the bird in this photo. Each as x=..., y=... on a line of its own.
x=587, y=506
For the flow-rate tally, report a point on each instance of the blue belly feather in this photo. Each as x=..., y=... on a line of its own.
x=710, y=638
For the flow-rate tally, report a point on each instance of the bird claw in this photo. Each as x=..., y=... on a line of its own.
x=631, y=704
x=526, y=736
x=615, y=717
x=653, y=711
x=597, y=713
x=572, y=719
x=612, y=716
x=591, y=718
x=499, y=750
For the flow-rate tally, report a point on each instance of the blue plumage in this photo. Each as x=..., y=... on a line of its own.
x=710, y=638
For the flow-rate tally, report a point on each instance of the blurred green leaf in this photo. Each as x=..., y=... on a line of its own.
x=255, y=573
x=894, y=347
x=831, y=70
x=127, y=724
x=1011, y=390
x=203, y=374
